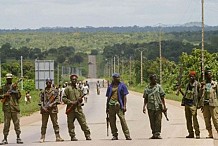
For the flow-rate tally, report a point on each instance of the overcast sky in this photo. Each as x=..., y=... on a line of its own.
x=23, y=14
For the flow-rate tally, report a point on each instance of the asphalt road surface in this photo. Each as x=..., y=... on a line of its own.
x=173, y=131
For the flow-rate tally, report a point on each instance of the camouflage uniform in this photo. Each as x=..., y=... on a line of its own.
x=210, y=106
x=153, y=97
x=72, y=94
x=191, y=102
x=52, y=110
x=11, y=109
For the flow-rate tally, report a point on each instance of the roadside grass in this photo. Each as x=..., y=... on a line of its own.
x=26, y=109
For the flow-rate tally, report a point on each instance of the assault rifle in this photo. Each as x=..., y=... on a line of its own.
x=179, y=79
x=107, y=121
x=165, y=114
x=48, y=104
x=74, y=104
x=12, y=89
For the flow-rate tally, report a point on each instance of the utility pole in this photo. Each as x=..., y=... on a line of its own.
x=58, y=74
x=141, y=69
x=0, y=72
x=202, y=43
x=130, y=69
x=160, y=51
x=114, y=64
x=21, y=71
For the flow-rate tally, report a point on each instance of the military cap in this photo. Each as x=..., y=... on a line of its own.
x=73, y=75
x=116, y=75
x=9, y=76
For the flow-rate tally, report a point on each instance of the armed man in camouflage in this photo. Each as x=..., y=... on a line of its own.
x=190, y=101
x=48, y=102
x=154, y=100
x=73, y=98
x=210, y=102
x=10, y=96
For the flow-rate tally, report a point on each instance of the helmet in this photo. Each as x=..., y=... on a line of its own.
x=9, y=76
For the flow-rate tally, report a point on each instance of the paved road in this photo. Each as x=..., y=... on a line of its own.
x=173, y=132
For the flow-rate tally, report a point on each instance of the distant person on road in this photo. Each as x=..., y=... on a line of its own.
x=28, y=97
x=98, y=85
x=73, y=98
x=48, y=108
x=10, y=96
x=116, y=105
x=190, y=101
x=209, y=105
x=154, y=100
x=85, y=90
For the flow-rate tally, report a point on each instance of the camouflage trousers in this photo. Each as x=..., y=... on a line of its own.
x=208, y=113
x=15, y=117
x=155, y=118
x=79, y=115
x=113, y=111
x=54, y=120
x=191, y=119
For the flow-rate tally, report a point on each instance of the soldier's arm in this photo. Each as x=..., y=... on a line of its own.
x=66, y=99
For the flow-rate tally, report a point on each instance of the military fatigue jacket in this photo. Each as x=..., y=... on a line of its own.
x=192, y=93
x=49, y=100
x=153, y=96
x=10, y=103
x=71, y=94
x=210, y=93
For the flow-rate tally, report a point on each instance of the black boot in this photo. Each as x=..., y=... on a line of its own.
x=190, y=135
x=19, y=141
x=114, y=138
x=4, y=141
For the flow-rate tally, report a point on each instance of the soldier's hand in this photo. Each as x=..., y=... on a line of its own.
x=80, y=100
x=202, y=109
x=7, y=94
x=107, y=110
x=45, y=109
x=164, y=109
x=124, y=109
x=144, y=110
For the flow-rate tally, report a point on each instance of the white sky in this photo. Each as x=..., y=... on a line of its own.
x=22, y=14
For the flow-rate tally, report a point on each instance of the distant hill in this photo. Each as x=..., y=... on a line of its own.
x=194, y=24
x=190, y=27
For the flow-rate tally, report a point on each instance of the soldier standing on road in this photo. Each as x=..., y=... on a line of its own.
x=72, y=97
x=154, y=100
x=210, y=102
x=116, y=105
x=190, y=101
x=10, y=96
x=48, y=101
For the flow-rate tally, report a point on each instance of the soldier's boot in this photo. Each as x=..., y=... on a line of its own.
x=4, y=141
x=42, y=139
x=58, y=138
x=191, y=135
x=210, y=134
x=114, y=138
x=88, y=137
x=19, y=141
x=73, y=138
x=128, y=138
